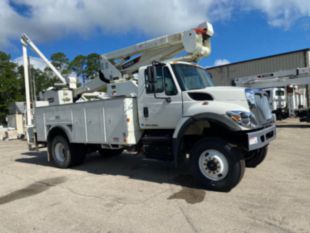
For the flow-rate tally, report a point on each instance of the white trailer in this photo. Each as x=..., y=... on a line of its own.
x=166, y=108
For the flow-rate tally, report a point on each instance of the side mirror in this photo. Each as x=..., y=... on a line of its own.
x=151, y=71
x=151, y=74
x=150, y=80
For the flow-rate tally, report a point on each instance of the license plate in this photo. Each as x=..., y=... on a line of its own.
x=253, y=140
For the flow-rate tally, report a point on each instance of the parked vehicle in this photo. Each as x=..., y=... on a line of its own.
x=286, y=90
x=278, y=102
x=166, y=108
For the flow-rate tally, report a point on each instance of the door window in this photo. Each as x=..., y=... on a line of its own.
x=170, y=88
x=163, y=82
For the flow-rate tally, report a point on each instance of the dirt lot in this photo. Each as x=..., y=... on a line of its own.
x=129, y=194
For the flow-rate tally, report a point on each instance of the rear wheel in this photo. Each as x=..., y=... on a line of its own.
x=256, y=157
x=65, y=154
x=216, y=165
x=109, y=152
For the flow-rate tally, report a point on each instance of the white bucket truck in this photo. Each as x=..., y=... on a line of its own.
x=286, y=90
x=166, y=108
x=277, y=97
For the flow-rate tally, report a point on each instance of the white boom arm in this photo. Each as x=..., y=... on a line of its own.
x=299, y=76
x=123, y=63
x=27, y=88
x=195, y=42
x=27, y=42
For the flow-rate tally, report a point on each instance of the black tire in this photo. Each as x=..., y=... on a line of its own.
x=223, y=179
x=65, y=154
x=106, y=153
x=256, y=157
x=78, y=154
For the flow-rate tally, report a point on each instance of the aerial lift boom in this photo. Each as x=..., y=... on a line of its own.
x=299, y=76
x=25, y=40
x=122, y=64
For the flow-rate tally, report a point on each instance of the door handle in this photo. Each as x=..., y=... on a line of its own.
x=146, y=112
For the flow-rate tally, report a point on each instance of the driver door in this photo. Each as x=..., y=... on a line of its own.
x=160, y=105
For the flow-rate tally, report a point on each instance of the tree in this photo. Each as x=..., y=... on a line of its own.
x=11, y=89
x=61, y=62
x=85, y=67
x=92, y=65
x=78, y=65
x=40, y=79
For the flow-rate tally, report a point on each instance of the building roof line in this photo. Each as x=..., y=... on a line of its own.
x=260, y=58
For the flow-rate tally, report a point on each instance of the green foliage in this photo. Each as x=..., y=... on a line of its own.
x=86, y=66
x=78, y=65
x=42, y=80
x=10, y=85
x=61, y=62
x=92, y=65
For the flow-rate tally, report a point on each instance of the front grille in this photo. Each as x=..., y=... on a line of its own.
x=261, y=109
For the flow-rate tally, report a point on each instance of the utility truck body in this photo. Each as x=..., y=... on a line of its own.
x=166, y=109
x=111, y=122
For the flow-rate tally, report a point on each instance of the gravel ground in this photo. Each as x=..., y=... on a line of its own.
x=130, y=194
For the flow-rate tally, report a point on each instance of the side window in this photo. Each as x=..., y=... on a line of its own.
x=159, y=83
x=164, y=82
x=170, y=88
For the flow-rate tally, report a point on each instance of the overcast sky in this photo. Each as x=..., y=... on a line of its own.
x=243, y=29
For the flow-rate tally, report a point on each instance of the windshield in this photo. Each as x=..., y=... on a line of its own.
x=280, y=93
x=192, y=77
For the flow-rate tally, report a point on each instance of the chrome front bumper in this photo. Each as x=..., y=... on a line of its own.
x=261, y=138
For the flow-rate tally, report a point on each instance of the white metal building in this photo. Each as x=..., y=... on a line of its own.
x=225, y=74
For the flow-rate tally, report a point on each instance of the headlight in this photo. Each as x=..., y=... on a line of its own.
x=245, y=119
x=250, y=96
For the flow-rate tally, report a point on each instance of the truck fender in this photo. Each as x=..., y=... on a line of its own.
x=59, y=128
x=185, y=122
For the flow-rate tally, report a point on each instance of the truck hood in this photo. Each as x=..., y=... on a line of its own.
x=224, y=93
x=234, y=95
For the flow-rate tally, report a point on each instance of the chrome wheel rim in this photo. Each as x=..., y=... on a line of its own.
x=213, y=165
x=60, y=152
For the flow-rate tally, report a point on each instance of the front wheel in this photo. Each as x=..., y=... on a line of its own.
x=256, y=157
x=216, y=165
